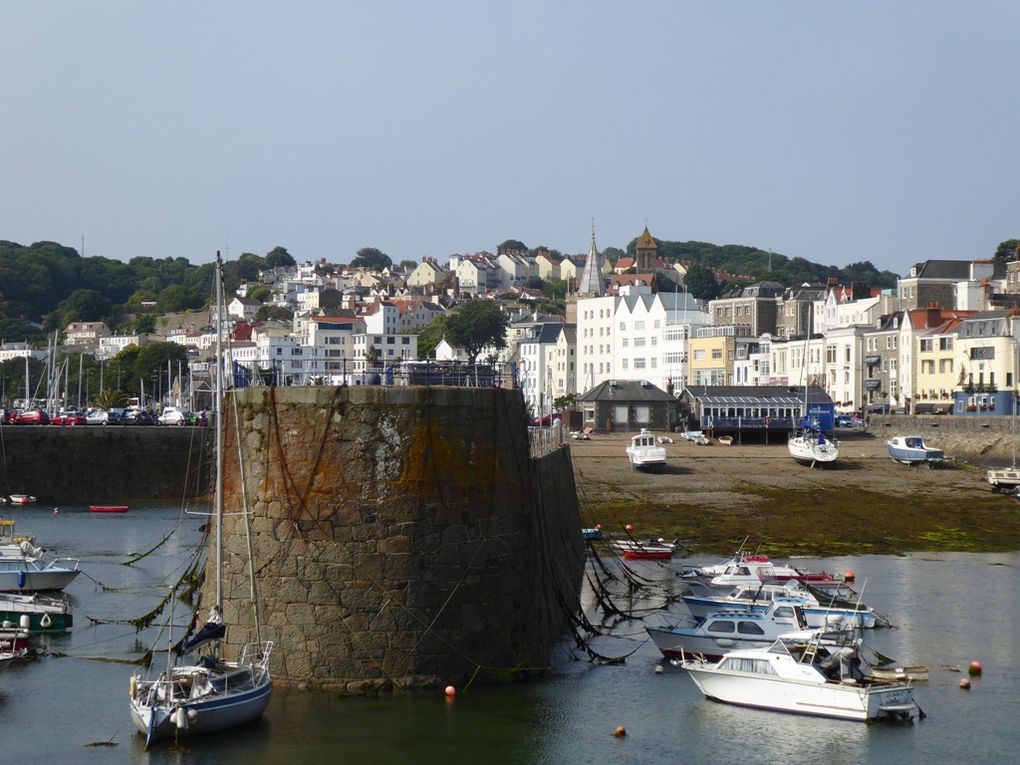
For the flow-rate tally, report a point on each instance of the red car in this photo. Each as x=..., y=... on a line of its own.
x=30, y=417
x=68, y=418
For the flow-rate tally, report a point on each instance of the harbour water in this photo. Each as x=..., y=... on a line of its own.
x=949, y=609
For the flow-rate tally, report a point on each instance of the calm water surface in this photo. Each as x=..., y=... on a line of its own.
x=949, y=609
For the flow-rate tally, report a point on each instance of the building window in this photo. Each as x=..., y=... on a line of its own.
x=717, y=353
x=639, y=363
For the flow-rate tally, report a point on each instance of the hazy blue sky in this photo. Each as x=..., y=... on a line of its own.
x=833, y=131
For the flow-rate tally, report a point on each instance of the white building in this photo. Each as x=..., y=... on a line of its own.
x=636, y=336
x=10, y=351
x=548, y=365
x=751, y=361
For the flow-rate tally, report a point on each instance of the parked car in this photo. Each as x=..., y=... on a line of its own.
x=172, y=415
x=544, y=421
x=70, y=417
x=97, y=417
x=844, y=421
x=31, y=417
x=115, y=416
x=134, y=416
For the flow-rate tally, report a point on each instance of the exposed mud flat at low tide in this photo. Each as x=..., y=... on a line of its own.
x=712, y=497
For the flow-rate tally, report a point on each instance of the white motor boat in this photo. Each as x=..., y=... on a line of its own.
x=21, y=573
x=911, y=450
x=696, y=437
x=644, y=453
x=725, y=631
x=750, y=570
x=702, y=601
x=808, y=678
x=1004, y=480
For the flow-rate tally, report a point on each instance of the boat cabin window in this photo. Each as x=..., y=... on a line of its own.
x=721, y=627
x=914, y=443
x=749, y=628
x=753, y=666
x=784, y=612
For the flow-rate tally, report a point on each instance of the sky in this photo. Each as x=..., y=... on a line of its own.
x=837, y=132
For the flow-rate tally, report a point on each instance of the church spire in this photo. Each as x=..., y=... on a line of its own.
x=592, y=283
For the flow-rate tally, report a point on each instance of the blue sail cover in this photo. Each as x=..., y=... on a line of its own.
x=208, y=633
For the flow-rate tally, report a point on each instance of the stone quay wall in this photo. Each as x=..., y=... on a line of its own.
x=403, y=536
x=986, y=440
x=110, y=464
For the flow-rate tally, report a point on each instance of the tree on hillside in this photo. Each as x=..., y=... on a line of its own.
x=273, y=313
x=409, y=265
x=430, y=336
x=279, y=257
x=475, y=325
x=80, y=305
x=511, y=244
x=370, y=257
x=613, y=254
x=259, y=292
x=145, y=324
x=176, y=298
x=701, y=282
x=1007, y=251
x=247, y=267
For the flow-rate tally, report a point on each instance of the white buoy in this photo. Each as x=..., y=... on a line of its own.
x=192, y=715
x=658, y=669
x=180, y=719
x=25, y=621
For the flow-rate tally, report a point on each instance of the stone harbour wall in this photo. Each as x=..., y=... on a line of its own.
x=403, y=536
x=986, y=440
x=111, y=464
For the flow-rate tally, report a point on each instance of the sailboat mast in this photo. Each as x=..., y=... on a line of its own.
x=218, y=282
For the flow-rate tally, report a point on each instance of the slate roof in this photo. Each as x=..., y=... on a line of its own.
x=626, y=390
x=958, y=270
x=755, y=395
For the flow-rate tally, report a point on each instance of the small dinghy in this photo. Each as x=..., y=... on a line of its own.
x=108, y=508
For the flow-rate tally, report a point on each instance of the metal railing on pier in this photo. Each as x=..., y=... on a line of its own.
x=542, y=440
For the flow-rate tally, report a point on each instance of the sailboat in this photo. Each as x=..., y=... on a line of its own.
x=808, y=444
x=212, y=694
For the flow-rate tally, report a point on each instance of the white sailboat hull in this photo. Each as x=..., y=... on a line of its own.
x=845, y=702
x=37, y=580
x=809, y=452
x=212, y=714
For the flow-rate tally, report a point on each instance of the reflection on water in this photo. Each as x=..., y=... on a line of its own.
x=949, y=609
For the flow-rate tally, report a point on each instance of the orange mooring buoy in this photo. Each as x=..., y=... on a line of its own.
x=450, y=691
x=620, y=731
x=975, y=669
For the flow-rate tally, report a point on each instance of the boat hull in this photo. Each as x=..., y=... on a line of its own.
x=814, y=454
x=844, y=702
x=211, y=715
x=674, y=644
x=648, y=554
x=108, y=508
x=38, y=581
x=37, y=622
x=816, y=616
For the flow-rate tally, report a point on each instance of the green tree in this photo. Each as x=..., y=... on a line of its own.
x=430, y=336
x=176, y=298
x=259, y=292
x=370, y=257
x=409, y=265
x=145, y=324
x=111, y=398
x=82, y=305
x=535, y=283
x=273, y=313
x=475, y=325
x=247, y=267
x=511, y=244
x=1007, y=251
x=613, y=254
x=701, y=282
x=279, y=257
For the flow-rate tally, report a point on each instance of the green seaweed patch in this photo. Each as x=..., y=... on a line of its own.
x=822, y=521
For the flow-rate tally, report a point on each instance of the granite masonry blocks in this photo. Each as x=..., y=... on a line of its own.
x=401, y=535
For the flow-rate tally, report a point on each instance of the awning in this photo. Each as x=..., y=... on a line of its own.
x=872, y=384
x=872, y=359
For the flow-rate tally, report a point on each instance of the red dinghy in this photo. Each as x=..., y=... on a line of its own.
x=108, y=508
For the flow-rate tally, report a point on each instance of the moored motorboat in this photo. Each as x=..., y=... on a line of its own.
x=25, y=574
x=702, y=601
x=45, y=613
x=653, y=549
x=644, y=453
x=108, y=508
x=911, y=450
x=19, y=500
x=725, y=631
x=809, y=678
